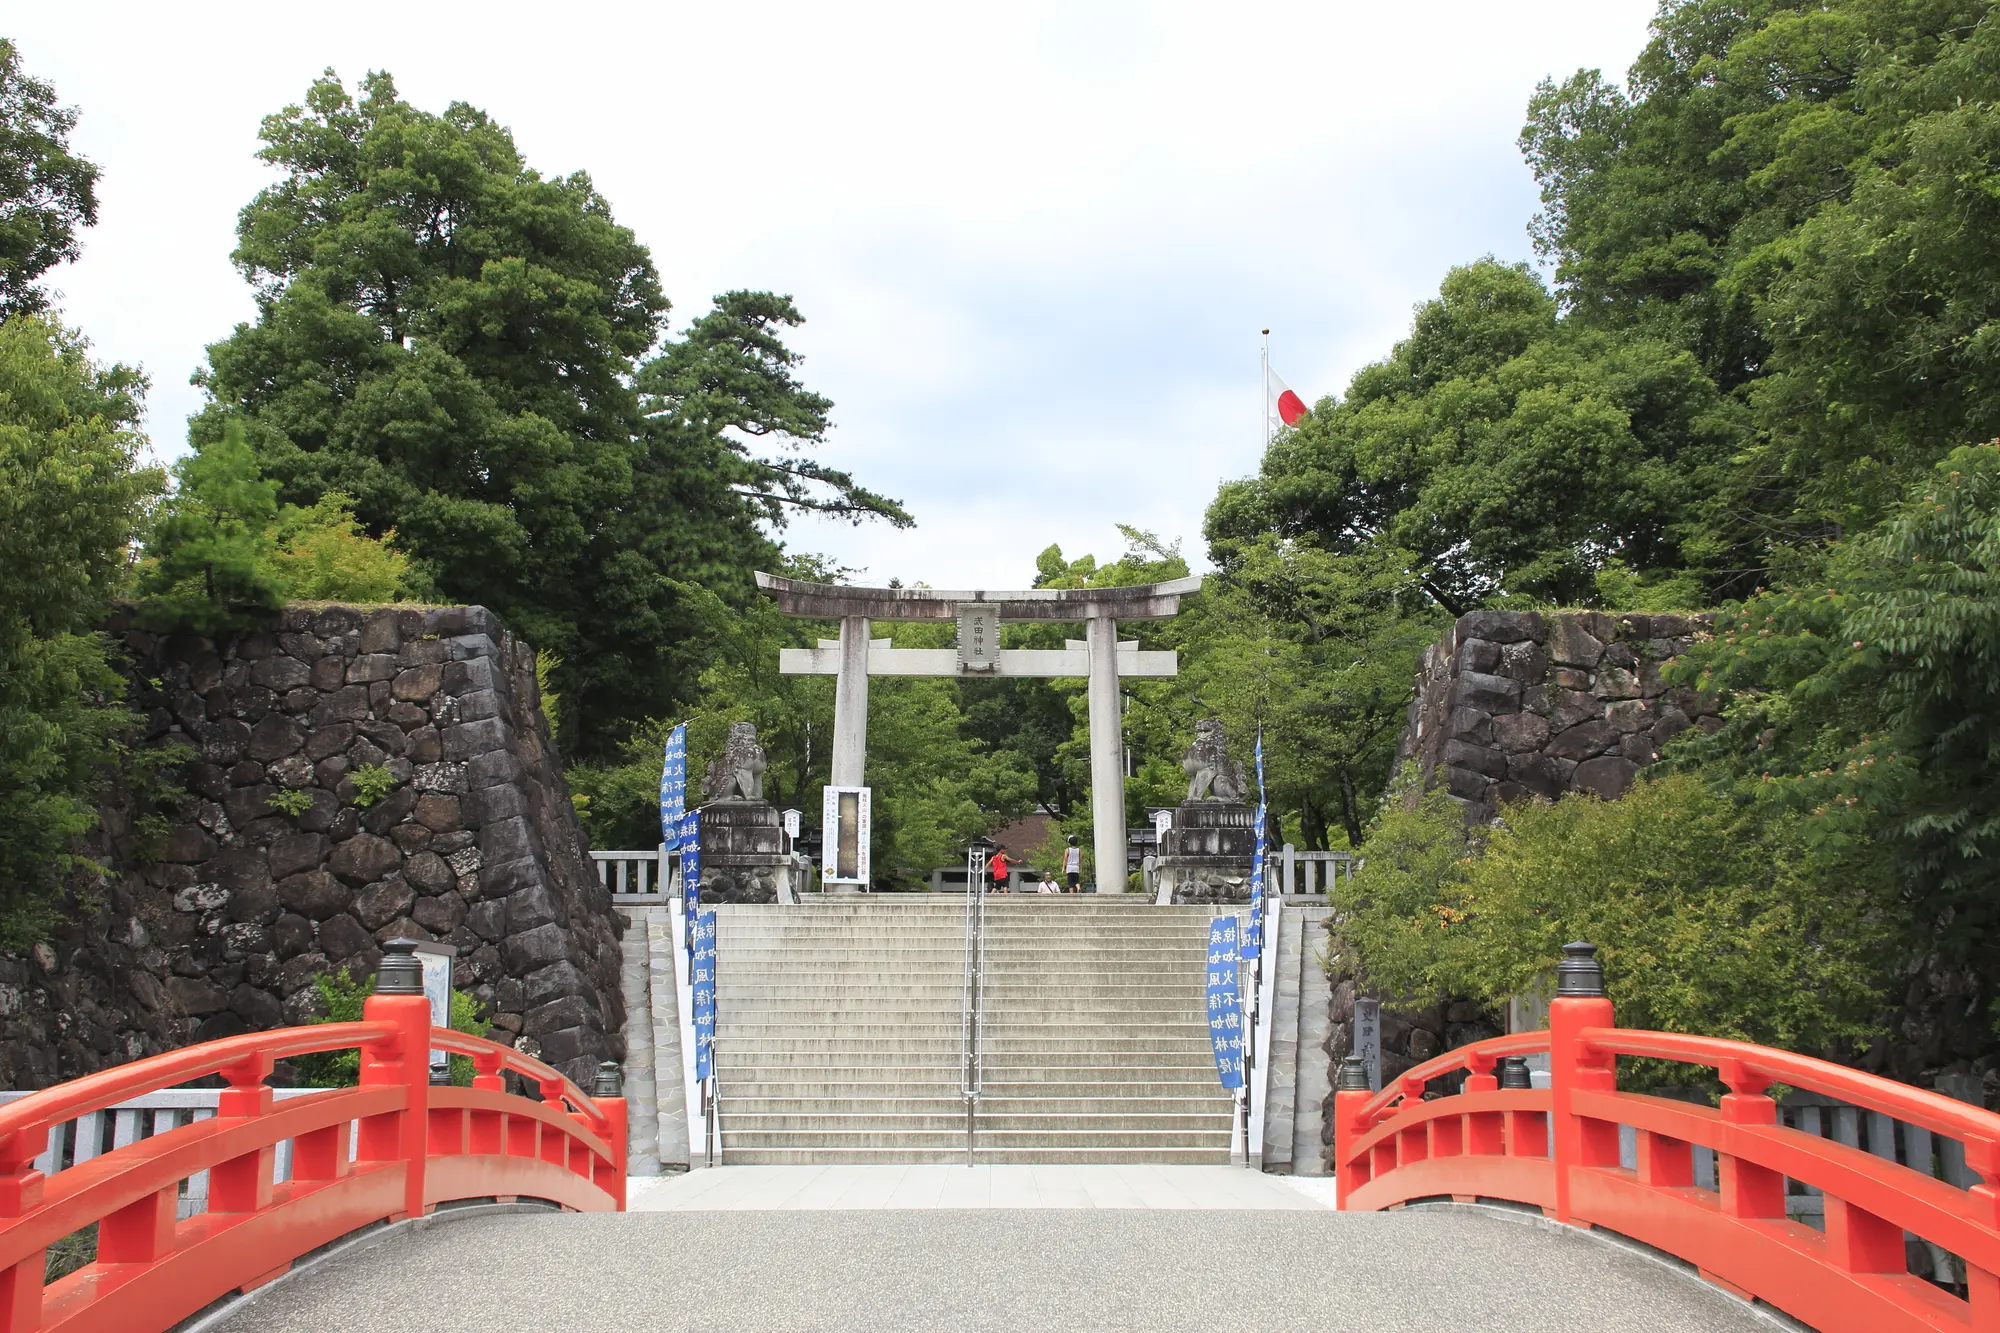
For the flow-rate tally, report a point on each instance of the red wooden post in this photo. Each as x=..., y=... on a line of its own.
x=1982, y=1284
x=609, y=1094
x=404, y=1061
x=243, y=1184
x=1580, y=1003
x=21, y=1192
x=1749, y=1190
x=1350, y=1095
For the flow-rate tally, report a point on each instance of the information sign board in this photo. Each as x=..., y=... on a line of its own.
x=844, y=834
x=702, y=977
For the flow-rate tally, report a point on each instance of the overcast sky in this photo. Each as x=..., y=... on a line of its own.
x=1034, y=242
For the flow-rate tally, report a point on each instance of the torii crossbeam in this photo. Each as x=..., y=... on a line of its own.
x=1098, y=658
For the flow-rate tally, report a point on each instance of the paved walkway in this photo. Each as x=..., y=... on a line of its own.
x=752, y=1188
x=1102, y=1265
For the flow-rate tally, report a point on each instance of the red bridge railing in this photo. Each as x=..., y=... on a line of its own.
x=391, y=1148
x=1558, y=1148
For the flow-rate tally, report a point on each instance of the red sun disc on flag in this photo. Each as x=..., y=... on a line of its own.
x=1290, y=407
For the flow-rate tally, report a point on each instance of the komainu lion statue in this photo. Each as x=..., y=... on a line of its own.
x=1211, y=775
x=739, y=772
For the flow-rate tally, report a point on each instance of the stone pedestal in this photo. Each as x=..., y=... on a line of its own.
x=1205, y=857
x=743, y=856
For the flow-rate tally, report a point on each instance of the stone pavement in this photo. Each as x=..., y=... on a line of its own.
x=1208, y=1263
x=740, y=1188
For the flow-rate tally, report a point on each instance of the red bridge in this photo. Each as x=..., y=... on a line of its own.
x=396, y=1147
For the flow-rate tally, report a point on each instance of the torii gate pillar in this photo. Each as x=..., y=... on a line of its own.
x=1099, y=658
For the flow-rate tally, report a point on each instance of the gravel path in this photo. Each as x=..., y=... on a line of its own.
x=1024, y=1271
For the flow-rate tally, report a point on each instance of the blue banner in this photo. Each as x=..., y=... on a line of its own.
x=673, y=787
x=690, y=844
x=1253, y=937
x=1225, y=1015
x=702, y=975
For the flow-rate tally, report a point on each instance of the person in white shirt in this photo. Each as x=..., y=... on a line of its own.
x=1073, y=867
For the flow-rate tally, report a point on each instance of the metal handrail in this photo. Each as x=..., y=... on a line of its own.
x=974, y=993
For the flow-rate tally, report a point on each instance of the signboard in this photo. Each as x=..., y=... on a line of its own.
x=978, y=636
x=844, y=832
x=702, y=978
x=437, y=989
x=791, y=818
x=1225, y=1014
x=673, y=786
x=1368, y=1038
x=1162, y=821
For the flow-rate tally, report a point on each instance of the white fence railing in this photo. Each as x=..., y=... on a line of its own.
x=627, y=873
x=74, y=1142
x=1313, y=873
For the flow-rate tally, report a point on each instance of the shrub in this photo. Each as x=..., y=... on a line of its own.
x=291, y=802
x=371, y=783
x=1712, y=915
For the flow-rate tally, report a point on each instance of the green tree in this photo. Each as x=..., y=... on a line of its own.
x=460, y=344
x=47, y=193
x=1510, y=453
x=208, y=562
x=1713, y=914
x=71, y=497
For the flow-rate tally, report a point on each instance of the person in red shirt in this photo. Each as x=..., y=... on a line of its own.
x=999, y=868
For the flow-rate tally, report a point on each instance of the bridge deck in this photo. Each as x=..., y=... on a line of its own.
x=1101, y=1268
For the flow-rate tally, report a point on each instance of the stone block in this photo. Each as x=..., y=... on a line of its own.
x=342, y=938
x=1638, y=747
x=1607, y=777
x=552, y=983
x=1476, y=758
x=1543, y=774
x=439, y=812
x=423, y=652
x=258, y=906
x=325, y=742
x=275, y=737
x=298, y=972
x=1501, y=626
x=328, y=772
x=1571, y=678
x=411, y=838
x=346, y=704
x=487, y=918
x=490, y=770
x=336, y=621
x=1571, y=644
x=385, y=736
x=1525, y=662
x=1471, y=725
x=1568, y=708
x=531, y=907
x=557, y=1015
x=440, y=915
x=391, y=810
x=1518, y=733
x=239, y=869
x=255, y=647
x=407, y=716
x=383, y=901
x=293, y=771
x=291, y=935
x=1478, y=655
x=1583, y=740
x=1617, y=683
x=364, y=858
x=1490, y=694
x=479, y=704
x=443, y=778
x=371, y=667
x=464, y=677
x=313, y=894
x=429, y=873
x=525, y=951
x=472, y=647
x=196, y=996
x=418, y=683
x=1629, y=715
x=328, y=674
x=1672, y=723
x=280, y=673
x=380, y=633
x=468, y=740
x=1465, y=783
x=258, y=1008
x=426, y=746
x=491, y=805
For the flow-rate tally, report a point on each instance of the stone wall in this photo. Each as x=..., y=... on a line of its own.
x=221, y=925
x=1512, y=704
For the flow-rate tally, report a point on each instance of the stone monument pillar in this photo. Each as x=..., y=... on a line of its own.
x=1205, y=856
x=743, y=856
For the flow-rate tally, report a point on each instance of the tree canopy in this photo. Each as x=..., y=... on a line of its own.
x=48, y=194
x=472, y=352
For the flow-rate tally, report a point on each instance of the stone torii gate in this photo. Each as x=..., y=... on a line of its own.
x=1098, y=657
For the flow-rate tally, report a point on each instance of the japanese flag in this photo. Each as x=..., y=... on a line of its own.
x=1286, y=405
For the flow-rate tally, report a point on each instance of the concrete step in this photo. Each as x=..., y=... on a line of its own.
x=946, y=1117
x=955, y=1155
x=945, y=1136
x=821, y=1102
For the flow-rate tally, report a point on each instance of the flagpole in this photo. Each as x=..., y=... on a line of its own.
x=1266, y=406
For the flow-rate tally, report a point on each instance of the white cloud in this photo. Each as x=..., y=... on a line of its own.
x=1035, y=242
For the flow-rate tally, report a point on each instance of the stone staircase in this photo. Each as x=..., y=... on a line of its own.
x=837, y=1034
